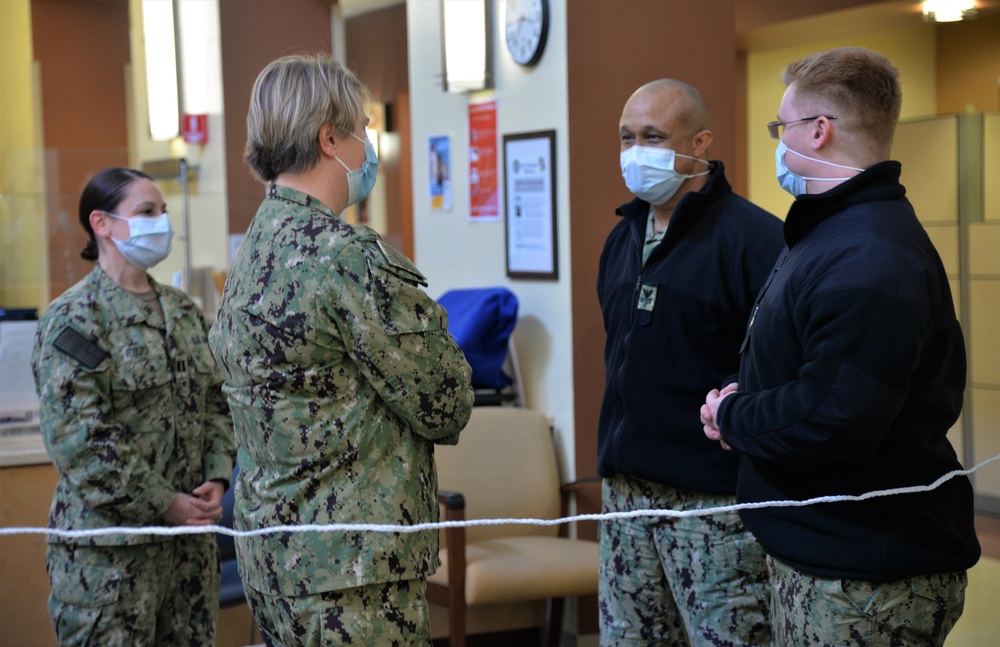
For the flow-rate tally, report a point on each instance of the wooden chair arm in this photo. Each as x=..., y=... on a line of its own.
x=454, y=538
x=567, y=490
x=452, y=597
x=579, y=484
x=451, y=501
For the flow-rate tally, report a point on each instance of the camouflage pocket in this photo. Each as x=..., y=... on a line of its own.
x=85, y=586
x=137, y=387
x=80, y=600
x=941, y=587
x=747, y=560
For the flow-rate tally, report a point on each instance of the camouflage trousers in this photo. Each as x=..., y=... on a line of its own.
x=821, y=612
x=699, y=580
x=155, y=594
x=385, y=614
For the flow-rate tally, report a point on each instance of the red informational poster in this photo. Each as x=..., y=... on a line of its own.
x=484, y=201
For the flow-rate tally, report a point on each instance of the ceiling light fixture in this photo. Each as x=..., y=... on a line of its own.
x=948, y=10
x=159, y=19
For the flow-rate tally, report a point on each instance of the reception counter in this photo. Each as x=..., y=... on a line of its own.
x=27, y=480
x=21, y=444
x=26, y=484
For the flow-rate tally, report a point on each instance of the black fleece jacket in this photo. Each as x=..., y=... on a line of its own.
x=853, y=370
x=674, y=329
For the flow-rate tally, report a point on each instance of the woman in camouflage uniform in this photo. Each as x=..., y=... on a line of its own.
x=135, y=421
x=341, y=375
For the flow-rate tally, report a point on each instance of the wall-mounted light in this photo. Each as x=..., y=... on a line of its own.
x=467, y=39
x=159, y=18
x=948, y=10
x=200, y=56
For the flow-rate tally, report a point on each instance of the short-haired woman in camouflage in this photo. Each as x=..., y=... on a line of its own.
x=341, y=375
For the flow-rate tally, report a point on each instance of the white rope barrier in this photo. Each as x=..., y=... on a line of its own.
x=437, y=525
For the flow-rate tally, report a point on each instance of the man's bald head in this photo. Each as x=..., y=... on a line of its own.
x=682, y=101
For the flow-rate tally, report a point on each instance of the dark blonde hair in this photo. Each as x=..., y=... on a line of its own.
x=858, y=86
x=291, y=99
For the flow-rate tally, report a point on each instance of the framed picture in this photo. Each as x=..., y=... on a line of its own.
x=530, y=205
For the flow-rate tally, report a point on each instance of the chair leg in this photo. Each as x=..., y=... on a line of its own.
x=553, y=622
x=456, y=625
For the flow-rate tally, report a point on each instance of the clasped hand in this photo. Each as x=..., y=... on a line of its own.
x=710, y=411
x=202, y=507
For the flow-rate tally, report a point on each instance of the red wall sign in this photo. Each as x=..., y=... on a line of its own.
x=194, y=128
x=483, y=199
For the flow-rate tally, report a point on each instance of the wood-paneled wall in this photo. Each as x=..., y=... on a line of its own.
x=82, y=49
x=252, y=35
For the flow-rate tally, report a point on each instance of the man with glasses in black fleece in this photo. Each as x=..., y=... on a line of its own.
x=852, y=372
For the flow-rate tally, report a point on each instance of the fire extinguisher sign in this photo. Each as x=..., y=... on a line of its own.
x=195, y=129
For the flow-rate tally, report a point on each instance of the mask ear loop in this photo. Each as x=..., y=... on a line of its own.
x=108, y=214
x=819, y=161
x=697, y=159
x=346, y=167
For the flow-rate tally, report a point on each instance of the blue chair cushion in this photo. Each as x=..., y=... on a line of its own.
x=481, y=321
x=230, y=586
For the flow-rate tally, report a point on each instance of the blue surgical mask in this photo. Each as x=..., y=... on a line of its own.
x=361, y=180
x=795, y=183
x=649, y=172
x=148, y=242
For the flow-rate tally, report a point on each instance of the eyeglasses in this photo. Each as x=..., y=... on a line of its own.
x=774, y=127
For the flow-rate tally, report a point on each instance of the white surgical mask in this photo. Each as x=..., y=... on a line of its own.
x=361, y=180
x=795, y=183
x=148, y=241
x=649, y=172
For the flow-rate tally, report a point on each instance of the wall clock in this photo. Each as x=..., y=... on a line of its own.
x=527, y=27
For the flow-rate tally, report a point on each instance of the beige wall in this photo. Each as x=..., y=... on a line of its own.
x=23, y=279
x=456, y=253
x=968, y=66
x=983, y=269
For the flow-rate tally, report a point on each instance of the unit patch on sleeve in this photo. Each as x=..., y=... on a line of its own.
x=400, y=265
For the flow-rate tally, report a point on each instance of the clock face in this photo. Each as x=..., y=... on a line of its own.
x=527, y=26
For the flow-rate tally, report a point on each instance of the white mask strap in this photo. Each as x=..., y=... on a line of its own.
x=813, y=159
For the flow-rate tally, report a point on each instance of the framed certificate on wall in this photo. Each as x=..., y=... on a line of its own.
x=530, y=205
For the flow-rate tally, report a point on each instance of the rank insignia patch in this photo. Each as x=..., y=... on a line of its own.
x=647, y=297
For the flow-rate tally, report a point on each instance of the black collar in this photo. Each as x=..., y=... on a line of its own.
x=878, y=182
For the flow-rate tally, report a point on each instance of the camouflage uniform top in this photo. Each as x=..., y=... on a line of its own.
x=132, y=409
x=341, y=375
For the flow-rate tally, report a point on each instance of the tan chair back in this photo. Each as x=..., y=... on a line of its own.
x=505, y=465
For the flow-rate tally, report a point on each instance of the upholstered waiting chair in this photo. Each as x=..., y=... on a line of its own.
x=505, y=466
